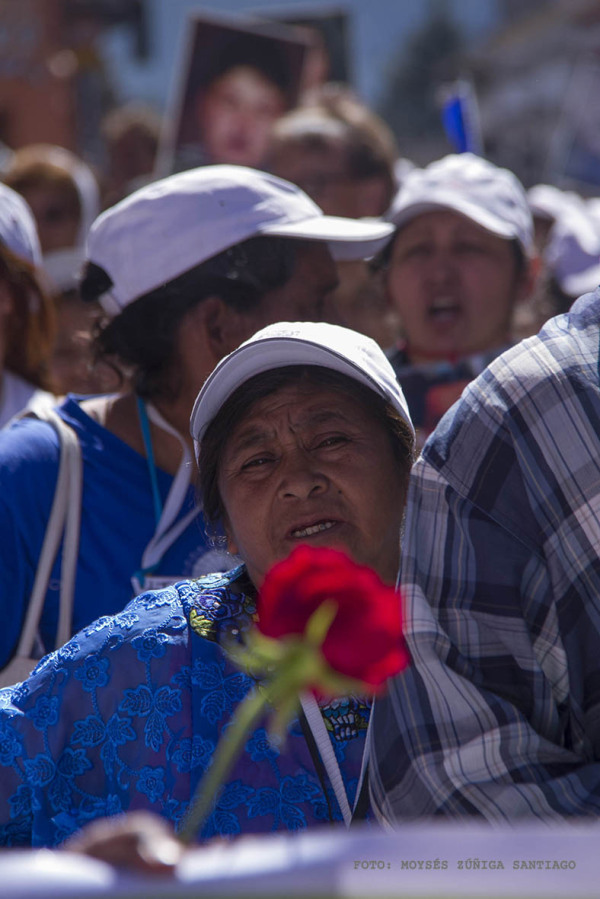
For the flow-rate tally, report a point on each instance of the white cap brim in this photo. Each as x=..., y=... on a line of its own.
x=348, y=239
x=254, y=358
x=581, y=282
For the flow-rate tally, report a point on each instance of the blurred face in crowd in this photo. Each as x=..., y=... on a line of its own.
x=132, y=156
x=316, y=467
x=454, y=285
x=323, y=174
x=236, y=113
x=57, y=218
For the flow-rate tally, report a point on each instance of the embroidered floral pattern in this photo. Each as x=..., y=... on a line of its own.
x=346, y=718
x=223, y=611
x=127, y=716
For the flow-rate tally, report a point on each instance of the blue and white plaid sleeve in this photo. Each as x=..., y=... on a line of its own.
x=499, y=713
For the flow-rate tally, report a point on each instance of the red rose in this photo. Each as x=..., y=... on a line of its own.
x=364, y=641
x=314, y=592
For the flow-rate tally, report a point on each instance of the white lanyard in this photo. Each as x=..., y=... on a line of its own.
x=314, y=717
x=168, y=529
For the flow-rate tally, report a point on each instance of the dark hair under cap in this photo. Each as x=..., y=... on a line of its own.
x=143, y=336
x=258, y=53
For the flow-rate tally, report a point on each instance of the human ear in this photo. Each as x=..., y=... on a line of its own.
x=6, y=300
x=232, y=546
x=205, y=332
x=224, y=327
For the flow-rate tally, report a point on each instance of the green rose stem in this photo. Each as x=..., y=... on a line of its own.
x=246, y=716
x=289, y=666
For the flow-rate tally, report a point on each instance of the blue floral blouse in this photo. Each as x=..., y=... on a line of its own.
x=127, y=715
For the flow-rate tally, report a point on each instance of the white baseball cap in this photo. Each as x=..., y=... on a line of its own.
x=52, y=157
x=169, y=226
x=18, y=230
x=490, y=196
x=549, y=202
x=298, y=343
x=572, y=254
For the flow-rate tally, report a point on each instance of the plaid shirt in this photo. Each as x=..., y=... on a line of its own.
x=499, y=715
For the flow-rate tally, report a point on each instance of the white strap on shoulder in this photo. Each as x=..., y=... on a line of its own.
x=169, y=529
x=65, y=517
x=70, y=444
x=314, y=717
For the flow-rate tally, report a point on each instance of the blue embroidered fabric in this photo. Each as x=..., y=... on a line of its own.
x=127, y=715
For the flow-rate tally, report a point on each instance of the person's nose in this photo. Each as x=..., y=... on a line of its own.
x=247, y=120
x=300, y=475
x=441, y=266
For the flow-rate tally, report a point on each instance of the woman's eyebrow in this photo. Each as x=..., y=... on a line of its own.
x=256, y=434
x=321, y=416
x=248, y=437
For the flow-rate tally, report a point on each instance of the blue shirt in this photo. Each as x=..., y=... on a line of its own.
x=127, y=715
x=117, y=522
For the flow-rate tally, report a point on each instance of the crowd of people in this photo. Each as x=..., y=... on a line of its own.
x=351, y=351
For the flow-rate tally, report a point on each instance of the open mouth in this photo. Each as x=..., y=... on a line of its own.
x=310, y=530
x=444, y=309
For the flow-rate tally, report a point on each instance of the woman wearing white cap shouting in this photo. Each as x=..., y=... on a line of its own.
x=64, y=196
x=185, y=269
x=303, y=437
x=460, y=262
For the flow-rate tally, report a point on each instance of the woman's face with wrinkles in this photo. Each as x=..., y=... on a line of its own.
x=314, y=466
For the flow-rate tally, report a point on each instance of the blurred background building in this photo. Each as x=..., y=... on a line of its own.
x=534, y=66
x=537, y=80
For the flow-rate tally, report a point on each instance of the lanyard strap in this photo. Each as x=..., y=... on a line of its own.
x=314, y=717
x=168, y=529
x=146, y=437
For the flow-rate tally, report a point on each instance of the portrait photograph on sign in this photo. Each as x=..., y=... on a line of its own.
x=236, y=79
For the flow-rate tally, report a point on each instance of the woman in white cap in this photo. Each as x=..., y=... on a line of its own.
x=26, y=312
x=184, y=269
x=63, y=194
x=459, y=264
x=305, y=425
x=568, y=233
